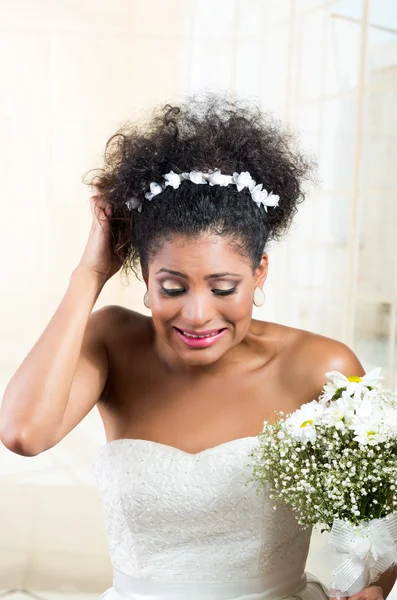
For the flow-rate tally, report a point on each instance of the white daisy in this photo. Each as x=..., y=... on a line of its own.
x=353, y=384
x=368, y=433
x=301, y=423
x=338, y=414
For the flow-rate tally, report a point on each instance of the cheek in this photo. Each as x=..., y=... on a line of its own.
x=165, y=311
x=242, y=301
x=164, y=308
x=242, y=308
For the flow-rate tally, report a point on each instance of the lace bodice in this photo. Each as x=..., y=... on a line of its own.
x=172, y=516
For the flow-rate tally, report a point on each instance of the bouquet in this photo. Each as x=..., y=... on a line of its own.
x=334, y=462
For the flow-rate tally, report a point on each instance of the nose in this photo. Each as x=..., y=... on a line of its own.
x=197, y=310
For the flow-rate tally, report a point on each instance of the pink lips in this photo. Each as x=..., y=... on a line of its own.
x=214, y=336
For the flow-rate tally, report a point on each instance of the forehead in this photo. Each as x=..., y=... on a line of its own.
x=201, y=255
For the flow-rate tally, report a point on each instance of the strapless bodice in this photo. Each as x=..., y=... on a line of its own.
x=197, y=522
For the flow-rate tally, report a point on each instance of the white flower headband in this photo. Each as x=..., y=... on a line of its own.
x=241, y=180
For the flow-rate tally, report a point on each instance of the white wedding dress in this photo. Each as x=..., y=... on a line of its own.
x=187, y=526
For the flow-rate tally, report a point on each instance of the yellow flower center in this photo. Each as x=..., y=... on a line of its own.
x=370, y=434
x=309, y=422
x=354, y=379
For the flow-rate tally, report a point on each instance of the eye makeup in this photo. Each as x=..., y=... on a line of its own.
x=174, y=292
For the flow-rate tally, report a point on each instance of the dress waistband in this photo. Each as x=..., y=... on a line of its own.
x=258, y=588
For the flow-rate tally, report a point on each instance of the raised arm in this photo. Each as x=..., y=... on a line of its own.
x=65, y=372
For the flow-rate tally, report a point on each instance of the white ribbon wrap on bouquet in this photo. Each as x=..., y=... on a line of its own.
x=365, y=550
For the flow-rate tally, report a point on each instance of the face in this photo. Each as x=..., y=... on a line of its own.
x=201, y=296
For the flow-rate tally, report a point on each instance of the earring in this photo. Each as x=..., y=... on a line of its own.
x=146, y=300
x=259, y=297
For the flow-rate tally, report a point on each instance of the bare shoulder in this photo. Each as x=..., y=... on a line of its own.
x=313, y=355
x=303, y=358
x=115, y=319
x=125, y=334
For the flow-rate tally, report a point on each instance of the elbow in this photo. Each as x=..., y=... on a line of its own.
x=18, y=442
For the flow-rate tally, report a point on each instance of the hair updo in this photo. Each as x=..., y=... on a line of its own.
x=215, y=131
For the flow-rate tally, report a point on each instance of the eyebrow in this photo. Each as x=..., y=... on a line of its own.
x=211, y=276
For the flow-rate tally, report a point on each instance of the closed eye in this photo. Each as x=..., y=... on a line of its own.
x=172, y=292
x=225, y=292
x=179, y=291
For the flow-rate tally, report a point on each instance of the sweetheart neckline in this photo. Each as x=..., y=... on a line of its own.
x=173, y=448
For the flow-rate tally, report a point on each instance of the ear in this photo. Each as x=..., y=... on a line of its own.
x=261, y=271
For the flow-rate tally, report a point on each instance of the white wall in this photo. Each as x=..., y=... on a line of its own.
x=71, y=72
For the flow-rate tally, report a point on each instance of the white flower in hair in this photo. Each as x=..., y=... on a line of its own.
x=197, y=177
x=216, y=178
x=259, y=195
x=155, y=188
x=213, y=177
x=272, y=199
x=133, y=203
x=173, y=179
x=243, y=180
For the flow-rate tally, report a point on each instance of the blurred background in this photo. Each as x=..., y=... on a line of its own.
x=72, y=71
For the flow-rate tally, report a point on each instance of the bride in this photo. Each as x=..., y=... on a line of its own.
x=190, y=199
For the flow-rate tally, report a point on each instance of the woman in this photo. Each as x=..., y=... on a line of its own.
x=192, y=198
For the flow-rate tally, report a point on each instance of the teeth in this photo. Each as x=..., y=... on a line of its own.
x=190, y=335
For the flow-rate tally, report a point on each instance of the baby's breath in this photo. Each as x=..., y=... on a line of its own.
x=339, y=468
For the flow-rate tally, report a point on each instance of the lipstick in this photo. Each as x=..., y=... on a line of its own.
x=200, y=339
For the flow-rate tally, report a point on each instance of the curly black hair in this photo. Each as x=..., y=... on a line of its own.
x=203, y=133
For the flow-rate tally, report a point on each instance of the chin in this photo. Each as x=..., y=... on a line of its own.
x=202, y=356
x=198, y=358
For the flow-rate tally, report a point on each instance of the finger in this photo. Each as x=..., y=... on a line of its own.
x=98, y=204
x=99, y=200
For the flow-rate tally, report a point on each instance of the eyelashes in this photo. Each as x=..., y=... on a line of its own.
x=172, y=293
x=228, y=292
